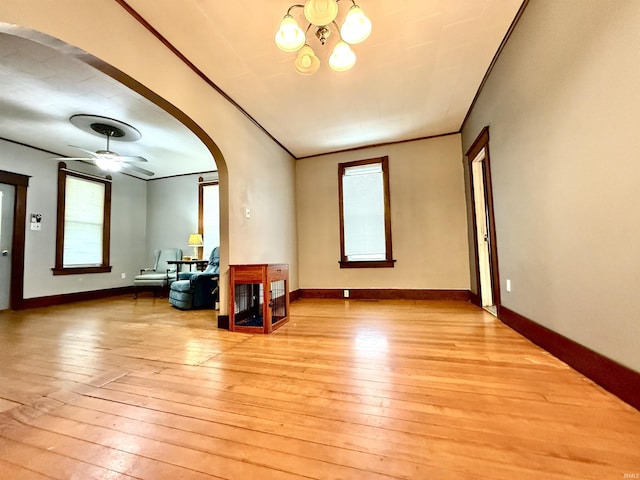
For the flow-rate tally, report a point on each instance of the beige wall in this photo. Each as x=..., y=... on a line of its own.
x=254, y=171
x=427, y=218
x=563, y=106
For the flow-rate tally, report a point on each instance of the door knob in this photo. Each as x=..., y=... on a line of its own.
x=5, y=253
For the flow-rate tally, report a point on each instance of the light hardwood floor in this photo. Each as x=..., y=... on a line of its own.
x=129, y=389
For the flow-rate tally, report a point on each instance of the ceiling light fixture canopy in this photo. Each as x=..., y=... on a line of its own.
x=322, y=14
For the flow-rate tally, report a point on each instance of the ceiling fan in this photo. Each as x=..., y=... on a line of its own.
x=107, y=159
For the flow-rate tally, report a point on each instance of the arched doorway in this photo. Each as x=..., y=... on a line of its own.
x=107, y=70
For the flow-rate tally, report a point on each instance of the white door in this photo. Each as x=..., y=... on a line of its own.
x=7, y=196
x=482, y=230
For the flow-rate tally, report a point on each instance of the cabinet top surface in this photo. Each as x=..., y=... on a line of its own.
x=281, y=265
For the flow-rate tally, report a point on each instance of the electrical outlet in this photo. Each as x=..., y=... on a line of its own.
x=345, y=293
x=123, y=275
x=36, y=226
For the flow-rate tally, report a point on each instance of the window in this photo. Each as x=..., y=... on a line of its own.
x=209, y=214
x=365, y=218
x=84, y=223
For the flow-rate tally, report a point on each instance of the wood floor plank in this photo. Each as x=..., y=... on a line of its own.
x=411, y=432
x=117, y=388
x=295, y=398
x=176, y=454
x=313, y=435
x=18, y=472
x=275, y=452
x=47, y=463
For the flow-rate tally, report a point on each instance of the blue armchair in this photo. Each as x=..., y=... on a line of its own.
x=161, y=274
x=197, y=290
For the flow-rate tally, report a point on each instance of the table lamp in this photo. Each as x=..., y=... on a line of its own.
x=195, y=241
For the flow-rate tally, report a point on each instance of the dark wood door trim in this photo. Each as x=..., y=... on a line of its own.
x=20, y=182
x=480, y=143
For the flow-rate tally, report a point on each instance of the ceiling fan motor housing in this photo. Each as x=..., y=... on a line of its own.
x=107, y=130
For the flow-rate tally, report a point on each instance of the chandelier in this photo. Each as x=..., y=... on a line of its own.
x=321, y=15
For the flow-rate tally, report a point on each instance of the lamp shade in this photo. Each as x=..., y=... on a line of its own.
x=289, y=37
x=306, y=62
x=321, y=12
x=342, y=58
x=195, y=240
x=356, y=27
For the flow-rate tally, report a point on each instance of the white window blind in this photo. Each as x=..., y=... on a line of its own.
x=83, y=222
x=363, y=211
x=210, y=218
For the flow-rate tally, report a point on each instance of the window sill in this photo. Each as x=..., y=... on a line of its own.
x=368, y=264
x=81, y=270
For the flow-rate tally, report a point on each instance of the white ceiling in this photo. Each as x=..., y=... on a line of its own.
x=40, y=89
x=415, y=76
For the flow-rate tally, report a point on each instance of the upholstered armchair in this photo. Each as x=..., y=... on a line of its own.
x=160, y=276
x=199, y=289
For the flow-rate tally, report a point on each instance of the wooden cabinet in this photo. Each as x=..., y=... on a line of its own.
x=259, y=297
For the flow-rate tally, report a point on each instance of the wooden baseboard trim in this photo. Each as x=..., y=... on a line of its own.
x=475, y=299
x=295, y=295
x=223, y=321
x=613, y=377
x=385, y=294
x=63, y=298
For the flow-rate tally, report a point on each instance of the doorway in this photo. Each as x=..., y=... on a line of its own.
x=209, y=214
x=13, y=187
x=7, y=198
x=486, y=253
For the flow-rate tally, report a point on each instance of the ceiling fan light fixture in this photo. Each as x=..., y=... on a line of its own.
x=289, y=37
x=342, y=58
x=105, y=162
x=108, y=128
x=356, y=27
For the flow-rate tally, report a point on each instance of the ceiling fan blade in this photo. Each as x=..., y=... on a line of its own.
x=93, y=154
x=127, y=166
x=127, y=159
x=124, y=161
